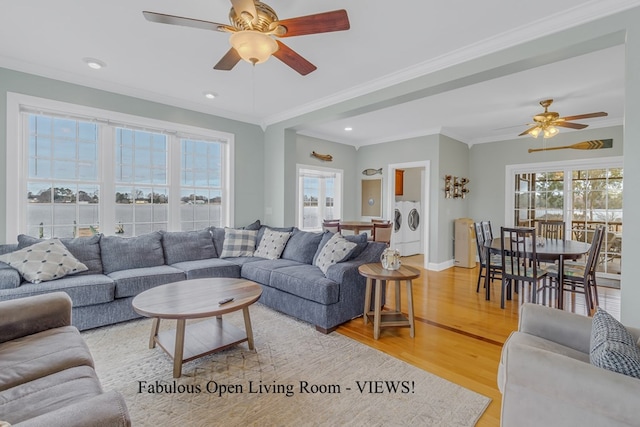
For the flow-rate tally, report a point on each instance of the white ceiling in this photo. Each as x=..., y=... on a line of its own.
x=388, y=42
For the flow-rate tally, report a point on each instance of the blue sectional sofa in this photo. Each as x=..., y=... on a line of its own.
x=120, y=268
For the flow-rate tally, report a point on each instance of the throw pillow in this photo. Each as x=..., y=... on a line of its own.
x=336, y=250
x=272, y=244
x=44, y=261
x=238, y=243
x=612, y=347
x=85, y=249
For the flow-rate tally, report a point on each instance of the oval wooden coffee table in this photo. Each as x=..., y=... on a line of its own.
x=381, y=319
x=196, y=299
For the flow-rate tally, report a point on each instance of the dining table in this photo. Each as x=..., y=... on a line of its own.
x=356, y=226
x=546, y=250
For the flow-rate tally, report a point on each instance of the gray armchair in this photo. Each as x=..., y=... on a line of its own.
x=546, y=379
x=46, y=370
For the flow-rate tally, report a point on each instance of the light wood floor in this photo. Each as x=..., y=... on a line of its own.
x=459, y=335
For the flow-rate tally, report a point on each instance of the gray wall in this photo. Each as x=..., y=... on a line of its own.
x=249, y=151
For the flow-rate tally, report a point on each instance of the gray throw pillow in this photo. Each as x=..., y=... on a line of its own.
x=612, y=347
x=272, y=244
x=43, y=261
x=238, y=243
x=336, y=250
x=84, y=249
x=182, y=246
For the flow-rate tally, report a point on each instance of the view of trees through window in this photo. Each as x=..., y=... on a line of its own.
x=590, y=197
x=65, y=185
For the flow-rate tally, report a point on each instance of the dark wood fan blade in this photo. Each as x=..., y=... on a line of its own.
x=228, y=61
x=293, y=59
x=247, y=6
x=528, y=131
x=162, y=18
x=326, y=22
x=570, y=125
x=584, y=116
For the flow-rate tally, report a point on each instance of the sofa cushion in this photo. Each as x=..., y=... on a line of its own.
x=85, y=249
x=49, y=393
x=9, y=277
x=83, y=290
x=260, y=271
x=336, y=250
x=44, y=261
x=612, y=347
x=135, y=280
x=212, y=267
x=302, y=246
x=37, y=355
x=272, y=244
x=217, y=233
x=125, y=253
x=306, y=281
x=238, y=243
x=182, y=246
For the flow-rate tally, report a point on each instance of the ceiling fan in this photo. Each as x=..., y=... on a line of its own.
x=253, y=25
x=547, y=122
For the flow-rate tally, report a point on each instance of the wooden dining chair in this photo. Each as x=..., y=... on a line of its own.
x=382, y=232
x=332, y=225
x=582, y=279
x=551, y=229
x=520, y=263
x=494, y=266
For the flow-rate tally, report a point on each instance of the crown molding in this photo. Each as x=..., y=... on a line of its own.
x=94, y=83
x=584, y=13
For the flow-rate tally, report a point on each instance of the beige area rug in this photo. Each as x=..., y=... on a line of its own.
x=296, y=376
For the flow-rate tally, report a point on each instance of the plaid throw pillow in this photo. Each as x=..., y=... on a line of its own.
x=336, y=250
x=44, y=261
x=612, y=347
x=272, y=244
x=238, y=243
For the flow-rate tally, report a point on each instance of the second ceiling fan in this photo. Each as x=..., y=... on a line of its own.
x=253, y=27
x=546, y=123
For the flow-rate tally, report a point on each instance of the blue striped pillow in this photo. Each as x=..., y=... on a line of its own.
x=612, y=347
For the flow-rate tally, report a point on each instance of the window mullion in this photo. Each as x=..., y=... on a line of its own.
x=107, y=177
x=174, y=170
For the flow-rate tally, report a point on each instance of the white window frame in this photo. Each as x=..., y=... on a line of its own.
x=337, y=200
x=17, y=167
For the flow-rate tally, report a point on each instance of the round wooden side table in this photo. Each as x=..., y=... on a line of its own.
x=378, y=275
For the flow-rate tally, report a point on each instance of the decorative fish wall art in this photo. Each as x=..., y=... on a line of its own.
x=370, y=172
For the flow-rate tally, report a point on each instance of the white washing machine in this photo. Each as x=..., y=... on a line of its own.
x=399, y=219
x=412, y=232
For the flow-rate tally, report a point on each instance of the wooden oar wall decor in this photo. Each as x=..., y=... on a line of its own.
x=594, y=144
x=323, y=157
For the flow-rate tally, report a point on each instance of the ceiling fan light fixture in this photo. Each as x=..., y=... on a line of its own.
x=550, y=131
x=253, y=46
x=535, y=132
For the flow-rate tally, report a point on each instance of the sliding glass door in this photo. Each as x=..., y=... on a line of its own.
x=583, y=195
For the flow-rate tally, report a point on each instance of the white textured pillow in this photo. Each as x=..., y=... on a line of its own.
x=272, y=244
x=238, y=242
x=337, y=249
x=44, y=261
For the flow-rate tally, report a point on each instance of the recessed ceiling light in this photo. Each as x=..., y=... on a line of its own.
x=96, y=64
x=210, y=95
x=348, y=129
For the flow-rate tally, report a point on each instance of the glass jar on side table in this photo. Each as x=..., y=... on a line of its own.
x=378, y=276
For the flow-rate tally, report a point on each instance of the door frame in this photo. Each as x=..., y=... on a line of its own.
x=425, y=202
